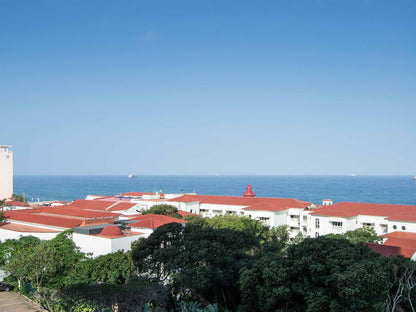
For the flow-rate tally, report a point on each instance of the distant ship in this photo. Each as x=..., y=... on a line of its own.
x=414, y=178
x=352, y=175
x=132, y=176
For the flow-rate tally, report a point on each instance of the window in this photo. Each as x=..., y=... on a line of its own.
x=305, y=218
x=317, y=223
x=403, y=228
x=394, y=226
x=316, y=234
x=264, y=219
x=336, y=224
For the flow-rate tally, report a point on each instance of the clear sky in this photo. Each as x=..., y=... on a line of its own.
x=206, y=87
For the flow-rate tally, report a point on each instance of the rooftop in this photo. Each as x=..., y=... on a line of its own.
x=153, y=221
x=351, y=209
x=250, y=203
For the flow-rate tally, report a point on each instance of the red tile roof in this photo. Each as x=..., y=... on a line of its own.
x=350, y=209
x=400, y=234
x=251, y=203
x=39, y=218
x=121, y=206
x=153, y=221
x=15, y=203
x=404, y=240
x=407, y=246
x=385, y=250
x=76, y=212
x=25, y=228
x=91, y=204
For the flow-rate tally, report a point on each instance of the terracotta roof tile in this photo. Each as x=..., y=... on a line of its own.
x=121, y=206
x=91, y=204
x=250, y=203
x=16, y=203
x=153, y=221
x=350, y=209
x=76, y=212
x=385, y=250
x=25, y=228
x=39, y=218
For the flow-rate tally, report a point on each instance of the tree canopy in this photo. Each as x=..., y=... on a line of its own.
x=47, y=263
x=200, y=264
x=317, y=275
x=163, y=209
x=114, y=268
x=361, y=235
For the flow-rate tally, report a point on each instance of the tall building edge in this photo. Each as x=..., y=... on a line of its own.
x=6, y=172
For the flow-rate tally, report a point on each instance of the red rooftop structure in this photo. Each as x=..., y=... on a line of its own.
x=249, y=193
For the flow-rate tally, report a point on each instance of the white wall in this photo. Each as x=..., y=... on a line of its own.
x=6, y=172
x=92, y=244
x=8, y=234
x=123, y=243
x=98, y=245
x=408, y=226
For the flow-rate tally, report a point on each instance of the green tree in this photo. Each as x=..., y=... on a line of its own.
x=114, y=268
x=317, y=275
x=20, y=198
x=201, y=264
x=163, y=209
x=196, y=220
x=44, y=263
x=361, y=235
x=14, y=253
x=276, y=239
x=2, y=218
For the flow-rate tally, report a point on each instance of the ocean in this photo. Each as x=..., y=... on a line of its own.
x=368, y=189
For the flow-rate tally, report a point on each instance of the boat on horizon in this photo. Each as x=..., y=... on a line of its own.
x=414, y=178
x=132, y=176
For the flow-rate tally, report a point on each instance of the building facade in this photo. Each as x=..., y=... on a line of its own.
x=6, y=172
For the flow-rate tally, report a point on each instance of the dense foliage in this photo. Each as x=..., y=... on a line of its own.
x=163, y=209
x=319, y=274
x=113, y=268
x=2, y=218
x=270, y=238
x=46, y=263
x=199, y=263
x=360, y=235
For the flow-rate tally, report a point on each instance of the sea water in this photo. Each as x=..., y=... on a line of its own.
x=369, y=189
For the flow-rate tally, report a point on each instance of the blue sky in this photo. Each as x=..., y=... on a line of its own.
x=206, y=87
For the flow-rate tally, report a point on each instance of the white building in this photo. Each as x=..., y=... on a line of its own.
x=6, y=172
x=348, y=216
x=270, y=211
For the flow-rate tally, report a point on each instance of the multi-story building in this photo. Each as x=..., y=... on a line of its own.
x=6, y=172
x=348, y=216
